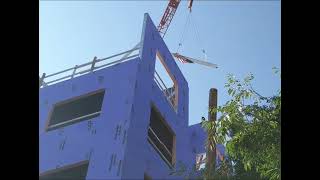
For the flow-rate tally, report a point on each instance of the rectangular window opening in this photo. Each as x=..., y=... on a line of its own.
x=161, y=137
x=75, y=171
x=75, y=110
x=166, y=81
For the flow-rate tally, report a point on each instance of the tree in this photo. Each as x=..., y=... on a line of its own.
x=250, y=127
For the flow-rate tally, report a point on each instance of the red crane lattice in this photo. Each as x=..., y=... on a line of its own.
x=167, y=16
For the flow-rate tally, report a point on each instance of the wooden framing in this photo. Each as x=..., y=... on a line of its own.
x=173, y=151
x=175, y=84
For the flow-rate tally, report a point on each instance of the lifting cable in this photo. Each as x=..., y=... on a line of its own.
x=184, y=31
x=197, y=35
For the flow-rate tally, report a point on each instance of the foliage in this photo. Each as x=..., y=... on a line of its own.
x=250, y=127
x=222, y=172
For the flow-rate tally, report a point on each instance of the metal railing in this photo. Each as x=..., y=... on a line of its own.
x=78, y=70
x=51, y=127
x=164, y=89
x=165, y=147
x=168, y=161
x=84, y=68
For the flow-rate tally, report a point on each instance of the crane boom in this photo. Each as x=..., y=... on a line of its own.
x=167, y=16
x=163, y=27
x=165, y=20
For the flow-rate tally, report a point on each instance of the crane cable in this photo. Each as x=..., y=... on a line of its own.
x=184, y=31
x=199, y=39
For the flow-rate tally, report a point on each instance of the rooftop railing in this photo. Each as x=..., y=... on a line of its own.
x=78, y=70
x=96, y=64
x=168, y=92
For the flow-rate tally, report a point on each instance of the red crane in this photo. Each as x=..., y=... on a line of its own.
x=163, y=27
x=167, y=16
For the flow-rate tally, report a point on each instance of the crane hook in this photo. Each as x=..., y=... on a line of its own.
x=190, y=5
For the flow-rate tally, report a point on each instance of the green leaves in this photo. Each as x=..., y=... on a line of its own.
x=250, y=126
x=247, y=166
x=275, y=70
x=248, y=79
x=251, y=131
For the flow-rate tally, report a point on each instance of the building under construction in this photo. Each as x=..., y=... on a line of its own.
x=114, y=117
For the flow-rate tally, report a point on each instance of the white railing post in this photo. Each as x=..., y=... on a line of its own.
x=74, y=71
x=91, y=69
x=93, y=63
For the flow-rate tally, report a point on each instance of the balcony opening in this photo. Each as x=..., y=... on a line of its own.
x=75, y=110
x=75, y=171
x=161, y=137
x=166, y=81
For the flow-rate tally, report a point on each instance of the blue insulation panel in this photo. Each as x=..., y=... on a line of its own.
x=130, y=91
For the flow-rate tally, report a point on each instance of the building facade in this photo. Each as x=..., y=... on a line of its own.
x=118, y=120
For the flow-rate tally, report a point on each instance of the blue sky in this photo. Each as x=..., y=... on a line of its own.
x=240, y=36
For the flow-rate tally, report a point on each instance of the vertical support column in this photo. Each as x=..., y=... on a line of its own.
x=212, y=116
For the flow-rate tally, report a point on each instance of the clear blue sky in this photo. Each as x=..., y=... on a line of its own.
x=240, y=36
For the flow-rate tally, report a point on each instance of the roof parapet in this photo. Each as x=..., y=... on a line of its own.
x=86, y=68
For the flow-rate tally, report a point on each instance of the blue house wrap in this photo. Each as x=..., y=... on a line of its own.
x=116, y=143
